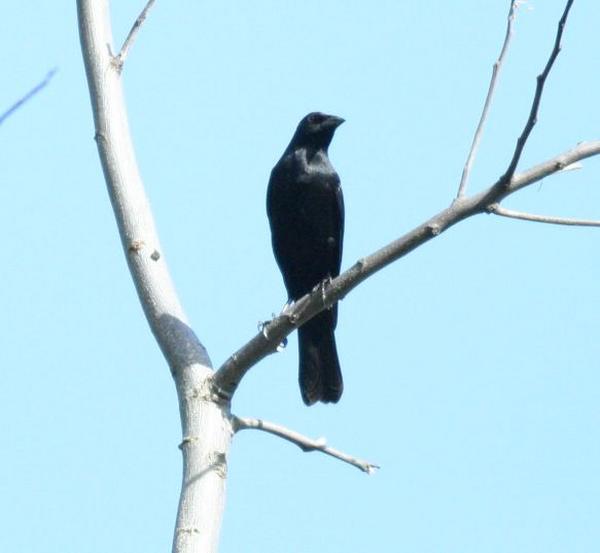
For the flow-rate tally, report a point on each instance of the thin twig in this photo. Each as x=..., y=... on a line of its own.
x=539, y=89
x=488, y=101
x=120, y=57
x=27, y=96
x=502, y=211
x=304, y=443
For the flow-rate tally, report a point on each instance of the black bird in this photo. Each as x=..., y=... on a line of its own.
x=306, y=213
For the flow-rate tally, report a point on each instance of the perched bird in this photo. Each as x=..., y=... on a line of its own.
x=305, y=207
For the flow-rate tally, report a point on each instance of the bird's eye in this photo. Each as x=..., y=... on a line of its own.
x=315, y=118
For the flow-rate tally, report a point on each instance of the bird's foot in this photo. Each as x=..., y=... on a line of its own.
x=322, y=287
x=287, y=307
x=263, y=328
x=282, y=345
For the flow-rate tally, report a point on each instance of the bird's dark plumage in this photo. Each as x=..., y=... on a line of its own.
x=306, y=213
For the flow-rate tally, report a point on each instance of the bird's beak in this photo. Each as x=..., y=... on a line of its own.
x=334, y=122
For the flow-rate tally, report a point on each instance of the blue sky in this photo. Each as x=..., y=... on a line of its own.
x=471, y=366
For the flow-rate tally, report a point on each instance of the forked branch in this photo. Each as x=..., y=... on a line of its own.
x=120, y=57
x=229, y=375
x=206, y=421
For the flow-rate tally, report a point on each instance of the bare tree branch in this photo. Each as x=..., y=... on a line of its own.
x=28, y=96
x=558, y=164
x=204, y=396
x=205, y=422
x=120, y=57
x=133, y=214
x=488, y=101
x=539, y=89
x=229, y=375
x=499, y=210
x=304, y=443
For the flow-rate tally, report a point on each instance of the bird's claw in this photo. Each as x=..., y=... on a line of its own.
x=322, y=287
x=281, y=346
x=262, y=328
x=287, y=307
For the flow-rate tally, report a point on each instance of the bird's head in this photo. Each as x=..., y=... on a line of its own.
x=316, y=130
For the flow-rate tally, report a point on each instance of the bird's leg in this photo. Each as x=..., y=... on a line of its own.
x=322, y=287
x=284, y=311
x=324, y=284
x=262, y=325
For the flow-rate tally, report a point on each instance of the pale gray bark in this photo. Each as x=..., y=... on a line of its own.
x=303, y=442
x=205, y=423
x=462, y=187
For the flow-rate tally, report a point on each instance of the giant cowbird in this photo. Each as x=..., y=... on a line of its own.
x=306, y=213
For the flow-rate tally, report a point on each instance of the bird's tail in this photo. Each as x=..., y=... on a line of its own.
x=320, y=375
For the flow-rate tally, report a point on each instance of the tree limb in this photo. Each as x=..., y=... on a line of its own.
x=133, y=214
x=539, y=89
x=304, y=443
x=488, y=101
x=205, y=422
x=28, y=96
x=120, y=57
x=204, y=396
x=229, y=375
x=511, y=213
